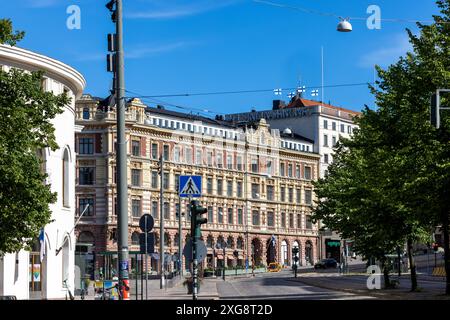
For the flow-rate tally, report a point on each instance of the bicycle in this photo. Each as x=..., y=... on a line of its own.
x=68, y=290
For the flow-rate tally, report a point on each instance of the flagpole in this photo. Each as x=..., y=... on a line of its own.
x=323, y=94
x=76, y=223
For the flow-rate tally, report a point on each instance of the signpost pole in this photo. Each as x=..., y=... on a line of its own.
x=194, y=256
x=180, y=238
x=146, y=258
x=161, y=220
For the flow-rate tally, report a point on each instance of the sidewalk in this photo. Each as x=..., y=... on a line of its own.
x=356, y=283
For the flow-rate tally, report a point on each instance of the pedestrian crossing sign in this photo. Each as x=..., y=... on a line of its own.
x=190, y=186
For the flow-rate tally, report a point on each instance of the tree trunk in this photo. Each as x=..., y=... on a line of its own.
x=412, y=265
x=387, y=282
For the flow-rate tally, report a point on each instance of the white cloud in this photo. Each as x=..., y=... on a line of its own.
x=141, y=52
x=177, y=9
x=387, y=53
x=137, y=52
x=42, y=3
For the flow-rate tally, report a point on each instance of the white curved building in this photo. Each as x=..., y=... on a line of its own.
x=57, y=265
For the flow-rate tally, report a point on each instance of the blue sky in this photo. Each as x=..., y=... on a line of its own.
x=195, y=46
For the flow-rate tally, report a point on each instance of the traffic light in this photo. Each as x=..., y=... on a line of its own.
x=196, y=218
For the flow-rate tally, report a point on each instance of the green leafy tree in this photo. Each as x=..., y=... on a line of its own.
x=26, y=112
x=406, y=160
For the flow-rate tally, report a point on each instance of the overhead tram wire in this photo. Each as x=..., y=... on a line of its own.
x=329, y=14
x=244, y=91
x=165, y=103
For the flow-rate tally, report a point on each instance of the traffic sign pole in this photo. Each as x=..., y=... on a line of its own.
x=146, y=258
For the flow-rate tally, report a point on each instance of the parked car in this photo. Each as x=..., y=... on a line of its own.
x=326, y=263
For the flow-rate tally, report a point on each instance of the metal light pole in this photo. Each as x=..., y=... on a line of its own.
x=161, y=219
x=121, y=156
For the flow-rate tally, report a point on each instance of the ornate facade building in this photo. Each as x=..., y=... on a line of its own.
x=256, y=183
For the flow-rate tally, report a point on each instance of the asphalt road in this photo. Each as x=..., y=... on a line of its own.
x=277, y=286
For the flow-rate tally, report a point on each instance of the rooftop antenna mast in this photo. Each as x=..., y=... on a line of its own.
x=323, y=93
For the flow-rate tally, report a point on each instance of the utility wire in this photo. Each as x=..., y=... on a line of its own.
x=328, y=14
x=242, y=91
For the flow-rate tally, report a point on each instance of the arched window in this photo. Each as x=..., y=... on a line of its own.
x=65, y=260
x=86, y=237
x=135, y=239
x=167, y=239
x=86, y=114
x=240, y=243
x=210, y=241
x=65, y=177
x=230, y=242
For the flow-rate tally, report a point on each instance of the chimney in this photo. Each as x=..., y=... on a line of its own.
x=278, y=104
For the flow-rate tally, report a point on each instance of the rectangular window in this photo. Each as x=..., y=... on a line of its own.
x=239, y=189
x=166, y=180
x=334, y=141
x=270, y=193
x=269, y=167
x=349, y=129
x=177, y=182
x=290, y=170
x=291, y=195
x=283, y=194
x=283, y=220
x=299, y=221
x=154, y=179
x=136, y=207
x=155, y=209
x=86, y=175
x=219, y=187
x=298, y=195
x=297, y=172
x=325, y=140
x=166, y=210
x=239, y=163
x=309, y=224
x=209, y=159
x=198, y=158
x=255, y=191
x=219, y=159
x=230, y=188
x=333, y=126
x=154, y=151
x=240, y=217
x=291, y=220
x=229, y=161
x=308, y=196
x=136, y=177
x=209, y=185
x=308, y=173
x=325, y=124
x=282, y=167
x=86, y=146
x=166, y=152
x=255, y=165
x=220, y=215
x=255, y=217
x=188, y=155
x=342, y=128
x=176, y=154
x=210, y=215
x=270, y=219
x=136, y=147
x=82, y=203
x=230, y=215
x=325, y=158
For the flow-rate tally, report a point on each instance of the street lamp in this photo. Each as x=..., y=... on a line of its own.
x=223, y=246
x=344, y=25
